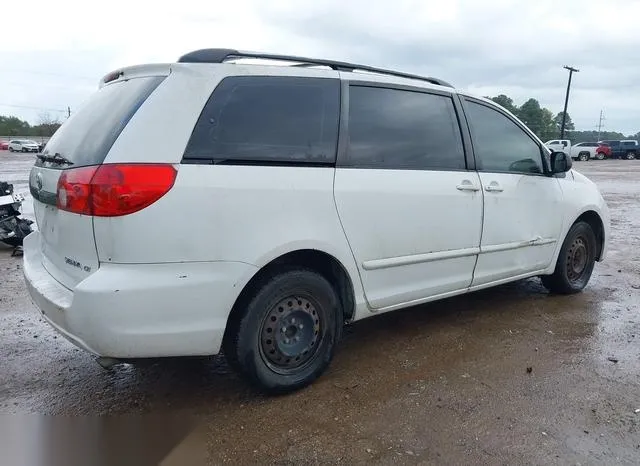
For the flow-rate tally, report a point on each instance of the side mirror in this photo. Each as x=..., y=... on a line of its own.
x=560, y=162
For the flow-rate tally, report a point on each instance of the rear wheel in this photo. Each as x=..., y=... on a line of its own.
x=10, y=149
x=287, y=334
x=631, y=155
x=583, y=156
x=575, y=262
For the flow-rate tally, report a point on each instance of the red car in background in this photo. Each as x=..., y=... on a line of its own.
x=603, y=151
x=4, y=145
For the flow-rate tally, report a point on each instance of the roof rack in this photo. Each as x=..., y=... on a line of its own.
x=222, y=55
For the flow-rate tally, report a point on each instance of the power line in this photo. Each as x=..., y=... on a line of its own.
x=33, y=108
x=47, y=73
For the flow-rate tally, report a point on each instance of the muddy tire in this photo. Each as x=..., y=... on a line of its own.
x=287, y=334
x=575, y=261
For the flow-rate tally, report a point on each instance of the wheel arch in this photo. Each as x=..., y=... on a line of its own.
x=317, y=260
x=597, y=225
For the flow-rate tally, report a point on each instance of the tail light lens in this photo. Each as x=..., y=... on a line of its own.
x=112, y=190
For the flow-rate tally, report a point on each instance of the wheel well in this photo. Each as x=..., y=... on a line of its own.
x=594, y=220
x=321, y=262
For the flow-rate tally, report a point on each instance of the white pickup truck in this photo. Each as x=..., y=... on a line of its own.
x=582, y=151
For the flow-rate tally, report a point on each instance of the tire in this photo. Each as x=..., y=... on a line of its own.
x=575, y=261
x=286, y=336
x=583, y=156
x=630, y=155
x=10, y=149
x=600, y=156
x=25, y=150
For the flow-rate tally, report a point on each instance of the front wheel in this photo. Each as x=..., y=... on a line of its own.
x=631, y=155
x=583, y=157
x=600, y=156
x=287, y=334
x=10, y=149
x=575, y=261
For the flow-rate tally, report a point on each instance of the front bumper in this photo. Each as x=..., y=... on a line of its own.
x=139, y=310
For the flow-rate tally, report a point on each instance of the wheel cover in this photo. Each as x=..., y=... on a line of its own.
x=577, y=259
x=290, y=334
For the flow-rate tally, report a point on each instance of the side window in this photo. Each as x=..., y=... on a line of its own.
x=553, y=143
x=269, y=119
x=397, y=129
x=500, y=145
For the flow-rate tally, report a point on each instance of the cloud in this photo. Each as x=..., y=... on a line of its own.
x=489, y=47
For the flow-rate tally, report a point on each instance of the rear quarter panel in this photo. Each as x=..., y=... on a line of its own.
x=243, y=214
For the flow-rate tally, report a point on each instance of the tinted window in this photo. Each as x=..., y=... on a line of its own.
x=500, y=145
x=629, y=143
x=553, y=143
x=269, y=119
x=396, y=129
x=88, y=135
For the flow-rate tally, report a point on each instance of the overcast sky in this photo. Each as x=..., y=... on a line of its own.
x=52, y=54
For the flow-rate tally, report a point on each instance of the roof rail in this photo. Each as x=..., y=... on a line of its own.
x=221, y=55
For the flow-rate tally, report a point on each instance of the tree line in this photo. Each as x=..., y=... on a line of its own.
x=14, y=126
x=547, y=126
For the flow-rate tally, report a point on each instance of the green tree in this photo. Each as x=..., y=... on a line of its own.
x=13, y=126
x=568, y=124
x=548, y=128
x=506, y=102
x=531, y=114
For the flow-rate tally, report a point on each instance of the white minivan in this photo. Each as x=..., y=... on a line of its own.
x=219, y=205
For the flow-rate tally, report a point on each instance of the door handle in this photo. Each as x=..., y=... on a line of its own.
x=467, y=185
x=493, y=187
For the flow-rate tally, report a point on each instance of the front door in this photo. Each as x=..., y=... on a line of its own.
x=522, y=205
x=411, y=211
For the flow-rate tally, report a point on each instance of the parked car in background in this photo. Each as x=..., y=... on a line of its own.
x=625, y=149
x=584, y=151
x=4, y=145
x=559, y=145
x=372, y=192
x=23, y=145
x=603, y=151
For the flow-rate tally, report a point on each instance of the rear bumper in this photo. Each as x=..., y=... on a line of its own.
x=139, y=310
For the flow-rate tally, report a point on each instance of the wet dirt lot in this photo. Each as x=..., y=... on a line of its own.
x=445, y=383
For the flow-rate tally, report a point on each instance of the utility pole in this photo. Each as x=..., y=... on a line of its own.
x=566, y=99
x=600, y=124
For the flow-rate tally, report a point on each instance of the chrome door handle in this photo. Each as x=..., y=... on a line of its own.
x=493, y=187
x=467, y=185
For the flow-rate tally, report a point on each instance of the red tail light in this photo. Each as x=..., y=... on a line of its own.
x=112, y=190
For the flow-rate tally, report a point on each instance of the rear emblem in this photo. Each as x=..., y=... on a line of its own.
x=39, y=181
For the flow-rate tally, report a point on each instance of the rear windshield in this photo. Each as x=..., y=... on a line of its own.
x=86, y=137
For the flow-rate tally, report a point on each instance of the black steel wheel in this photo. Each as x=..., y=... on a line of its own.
x=286, y=333
x=575, y=261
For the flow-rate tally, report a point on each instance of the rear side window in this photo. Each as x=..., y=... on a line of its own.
x=269, y=119
x=629, y=143
x=398, y=129
x=87, y=136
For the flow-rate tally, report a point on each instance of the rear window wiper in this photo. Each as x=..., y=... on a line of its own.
x=55, y=158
